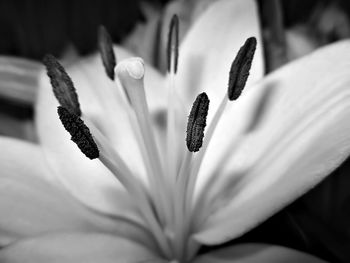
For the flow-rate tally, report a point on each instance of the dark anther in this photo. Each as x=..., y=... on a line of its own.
x=173, y=44
x=105, y=46
x=62, y=85
x=197, y=122
x=80, y=133
x=240, y=69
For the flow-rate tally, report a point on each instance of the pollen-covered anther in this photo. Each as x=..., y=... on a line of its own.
x=80, y=133
x=173, y=44
x=197, y=121
x=105, y=46
x=62, y=85
x=240, y=68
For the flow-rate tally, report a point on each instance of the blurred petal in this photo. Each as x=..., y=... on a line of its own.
x=210, y=46
x=19, y=79
x=20, y=158
x=101, y=101
x=32, y=202
x=17, y=128
x=256, y=253
x=299, y=42
x=76, y=248
x=143, y=40
x=302, y=135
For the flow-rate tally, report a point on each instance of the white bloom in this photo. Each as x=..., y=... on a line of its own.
x=281, y=137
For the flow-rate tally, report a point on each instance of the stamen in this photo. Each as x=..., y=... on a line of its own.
x=105, y=46
x=200, y=156
x=113, y=162
x=62, y=85
x=172, y=61
x=197, y=122
x=79, y=131
x=240, y=68
x=180, y=205
x=238, y=76
x=173, y=44
x=186, y=180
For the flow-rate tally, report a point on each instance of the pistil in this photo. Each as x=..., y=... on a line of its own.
x=130, y=74
x=195, y=134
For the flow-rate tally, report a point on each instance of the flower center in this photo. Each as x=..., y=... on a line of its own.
x=167, y=205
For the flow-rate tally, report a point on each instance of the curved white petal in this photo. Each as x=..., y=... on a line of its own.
x=18, y=157
x=76, y=248
x=33, y=202
x=211, y=45
x=257, y=253
x=102, y=102
x=302, y=135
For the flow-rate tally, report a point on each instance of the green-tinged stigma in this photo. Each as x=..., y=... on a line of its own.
x=167, y=203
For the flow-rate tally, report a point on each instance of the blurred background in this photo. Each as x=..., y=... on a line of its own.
x=30, y=29
x=318, y=222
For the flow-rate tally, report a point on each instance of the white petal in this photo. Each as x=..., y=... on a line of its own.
x=257, y=253
x=76, y=248
x=211, y=45
x=88, y=180
x=33, y=202
x=19, y=158
x=302, y=136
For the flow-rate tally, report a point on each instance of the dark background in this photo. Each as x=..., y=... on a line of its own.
x=32, y=28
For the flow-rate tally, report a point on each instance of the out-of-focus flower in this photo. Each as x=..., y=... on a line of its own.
x=280, y=138
x=18, y=86
x=327, y=23
x=149, y=38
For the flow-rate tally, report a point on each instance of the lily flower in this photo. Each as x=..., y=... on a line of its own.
x=149, y=195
